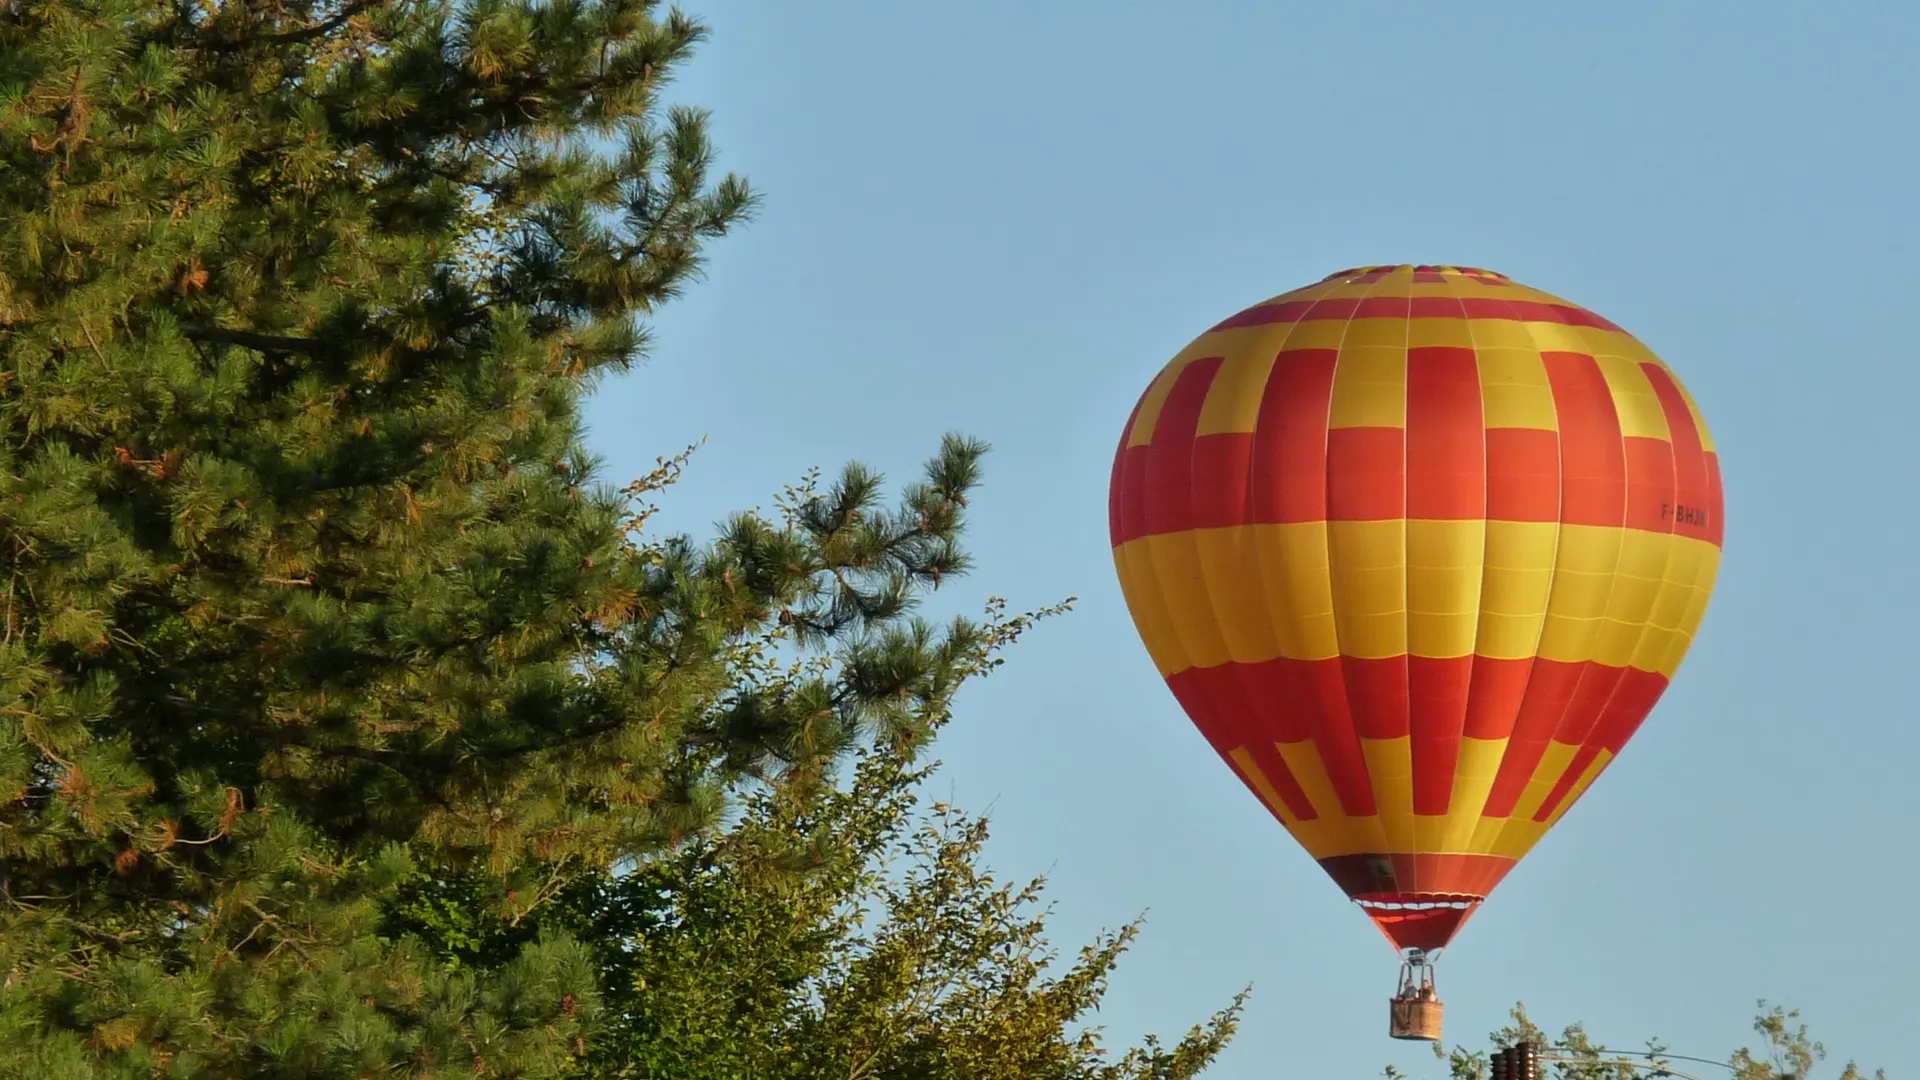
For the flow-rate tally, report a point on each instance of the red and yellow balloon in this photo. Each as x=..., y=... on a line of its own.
x=1417, y=548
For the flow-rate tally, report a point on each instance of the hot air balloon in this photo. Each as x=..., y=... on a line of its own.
x=1416, y=548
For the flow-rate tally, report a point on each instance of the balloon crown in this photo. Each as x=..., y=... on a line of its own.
x=1375, y=273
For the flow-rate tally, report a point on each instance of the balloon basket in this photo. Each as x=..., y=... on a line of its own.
x=1417, y=1021
x=1415, y=1012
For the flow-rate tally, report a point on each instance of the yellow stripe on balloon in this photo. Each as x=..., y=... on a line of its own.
x=1310, y=772
x=1587, y=776
x=1514, y=391
x=1134, y=564
x=1183, y=587
x=1462, y=830
x=1440, y=333
x=1296, y=579
x=1229, y=559
x=1257, y=779
x=1639, y=409
x=1473, y=777
x=1147, y=417
x=1233, y=399
x=1368, y=566
x=1553, y=764
x=1622, y=597
x=1518, y=576
x=1444, y=561
x=1369, y=386
x=1390, y=766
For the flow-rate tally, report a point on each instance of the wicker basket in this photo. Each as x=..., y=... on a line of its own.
x=1415, y=1018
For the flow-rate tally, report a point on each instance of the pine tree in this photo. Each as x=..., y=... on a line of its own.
x=311, y=591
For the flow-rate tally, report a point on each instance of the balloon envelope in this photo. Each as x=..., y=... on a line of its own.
x=1417, y=548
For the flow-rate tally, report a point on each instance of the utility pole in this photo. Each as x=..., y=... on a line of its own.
x=1524, y=1061
x=1519, y=1062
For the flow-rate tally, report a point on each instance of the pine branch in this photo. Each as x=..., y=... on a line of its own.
x=305, y=33
x=328, y=26
x=248, y=339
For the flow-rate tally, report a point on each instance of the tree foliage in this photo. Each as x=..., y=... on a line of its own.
x=835, y=932
x=314, y=605
x=1788, y=1053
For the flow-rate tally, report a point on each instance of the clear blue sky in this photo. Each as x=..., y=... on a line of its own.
x=1003, y=217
